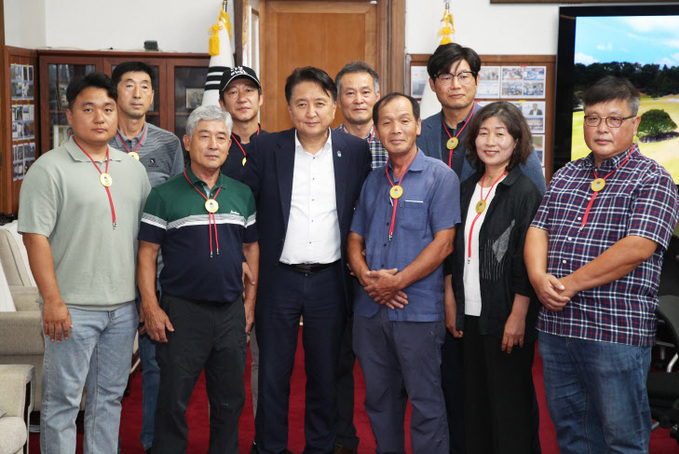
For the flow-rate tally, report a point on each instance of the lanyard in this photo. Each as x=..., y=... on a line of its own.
x=104, y=178
x=245, y=155
x=395, y=193
x=211, y=206
x=597, y=185
x=452, y=142
x=480, y=208
x=134, y=153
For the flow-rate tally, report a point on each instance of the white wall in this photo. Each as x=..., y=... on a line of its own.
x=487, y=28
x=25, y=23
x=182, y=25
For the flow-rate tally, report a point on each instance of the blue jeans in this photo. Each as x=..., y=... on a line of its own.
x=596, y=394
x=150, y=379
x=97, y=356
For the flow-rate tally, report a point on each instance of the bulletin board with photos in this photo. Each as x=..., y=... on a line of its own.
x=525, y=80
x=23, y=119
x=20, y=143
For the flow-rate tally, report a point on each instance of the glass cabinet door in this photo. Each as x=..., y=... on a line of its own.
x=60, y=75
x=189, y=83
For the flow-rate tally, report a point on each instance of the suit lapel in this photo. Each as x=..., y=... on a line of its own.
x=339, y=165
x=285, y=164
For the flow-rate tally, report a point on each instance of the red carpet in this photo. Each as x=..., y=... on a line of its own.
x=661, y=443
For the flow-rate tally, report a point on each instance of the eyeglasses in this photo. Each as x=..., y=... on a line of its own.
x=464, y=77
x=592, y=121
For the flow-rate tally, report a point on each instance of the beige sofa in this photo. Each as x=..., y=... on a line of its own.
x=21, y=340
x=16, y=402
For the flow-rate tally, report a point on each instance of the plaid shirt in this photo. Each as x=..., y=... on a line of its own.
x=639, y=199
x=379, y=153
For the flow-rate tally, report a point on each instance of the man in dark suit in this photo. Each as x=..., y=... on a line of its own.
x=306, y=182
x=454, y=76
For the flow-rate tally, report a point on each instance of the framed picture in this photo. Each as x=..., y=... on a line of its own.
x=194, y=97
x=60, y=135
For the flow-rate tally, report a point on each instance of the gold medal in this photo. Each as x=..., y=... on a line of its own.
x=452, y=143
x=211, y=205
x=244, y=161
x=396, y=191
x=105, y=179
x=598, y=184
x=480, y=206
x=134, y=154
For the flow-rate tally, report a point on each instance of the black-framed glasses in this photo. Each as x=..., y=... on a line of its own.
x=592, y=121
x=464, y=77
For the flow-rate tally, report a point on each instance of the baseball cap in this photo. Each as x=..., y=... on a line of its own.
x=234, y=73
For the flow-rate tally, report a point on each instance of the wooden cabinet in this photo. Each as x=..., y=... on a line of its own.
x=180, y=79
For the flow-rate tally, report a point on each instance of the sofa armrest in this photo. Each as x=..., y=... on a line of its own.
x=25, y=298
x=21, y=333
x=15, y=380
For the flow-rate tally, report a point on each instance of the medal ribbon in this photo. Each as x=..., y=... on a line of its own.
x=123, y=141
x=445, y=128
x=108, y=191
x=591, y=201
x=212, y=219
x=471, y=229
x=393, y=213
x=241, y=146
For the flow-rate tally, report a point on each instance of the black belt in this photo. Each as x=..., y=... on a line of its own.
x=308, y=268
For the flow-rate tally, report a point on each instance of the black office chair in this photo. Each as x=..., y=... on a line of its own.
x=663, y=386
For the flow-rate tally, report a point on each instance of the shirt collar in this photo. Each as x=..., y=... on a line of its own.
x=417, y=165
x=615, y=161
x=369, y=138
x=259, y=127
x=221, y=180
x=327, y=146
x=77, y=154
x=464, y=120
x=138, y=138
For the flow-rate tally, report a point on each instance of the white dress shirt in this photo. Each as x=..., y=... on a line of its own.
x=313, y=234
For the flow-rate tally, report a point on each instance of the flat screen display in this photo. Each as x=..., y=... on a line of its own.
x=640, y=43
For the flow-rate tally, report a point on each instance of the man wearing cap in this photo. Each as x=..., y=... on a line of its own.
x=240, y=94
x=161, y=154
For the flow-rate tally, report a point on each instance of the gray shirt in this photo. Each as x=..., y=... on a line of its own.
x=61, y=198
x=160, y=152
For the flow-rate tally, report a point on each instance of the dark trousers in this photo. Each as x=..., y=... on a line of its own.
x=453, y=391
x=206, y=336
x=319, y=298
x=346, y=430
x=499, y=394
x=401, y=361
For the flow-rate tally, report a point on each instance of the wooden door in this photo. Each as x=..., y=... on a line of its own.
x=323, y=34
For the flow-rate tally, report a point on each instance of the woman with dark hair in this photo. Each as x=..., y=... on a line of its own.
x=488, y=297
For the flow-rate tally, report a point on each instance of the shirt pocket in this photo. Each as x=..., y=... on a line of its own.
x=413, y=215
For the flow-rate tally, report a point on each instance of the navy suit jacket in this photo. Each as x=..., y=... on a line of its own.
x=269, y=172
x=429, y=141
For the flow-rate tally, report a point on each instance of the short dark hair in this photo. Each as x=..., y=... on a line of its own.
x=390, y=97
x=516, y=125
x=93, y=79
x=357, y=67
x=310, y=74
x=447, y=54
x=132, y=66
x=611, y=88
